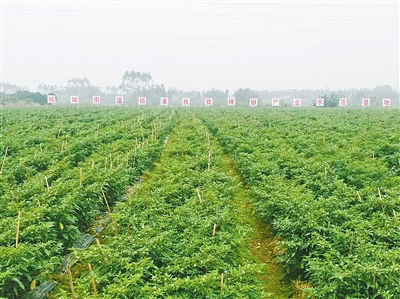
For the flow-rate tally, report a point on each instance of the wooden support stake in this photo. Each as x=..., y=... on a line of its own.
x=380, y=197
x=358, y=195
x=198, y=194
x=209, y=159
x=38, y=202
x=71, y=284
x=18, y=223
x=80, y=176
x=111, y=165
x=109, y=214
x=47, y=183
x=214, y=230
x=129, y=230
x=394, y=215
x=351, y=243
x=4, y=160
x=97, y=243
x=93, y=165
x=222, y=282
x=93, y=281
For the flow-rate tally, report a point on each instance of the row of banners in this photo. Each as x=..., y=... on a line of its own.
x=119, y=100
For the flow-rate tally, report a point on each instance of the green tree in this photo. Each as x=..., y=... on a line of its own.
x=242, y=96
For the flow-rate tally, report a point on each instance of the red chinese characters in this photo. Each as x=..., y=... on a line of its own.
x=142, y=100
x=319, y=102
x=297, y=102
x=253, y=102
x=185, y=102
x=74, y=100
x=119, y=100
x=96, y=99
x=275, y=102
x=208, y=101
x=365, y=102
x=164, y=101
x=231, y=101
x=386, y=102
x=51, y=99
x=343, y=102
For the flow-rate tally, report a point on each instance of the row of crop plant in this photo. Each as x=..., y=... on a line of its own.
x=181, y=234
x=54, y=176
x=329, y=185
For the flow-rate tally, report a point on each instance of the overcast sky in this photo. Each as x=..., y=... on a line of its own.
x=203, y=44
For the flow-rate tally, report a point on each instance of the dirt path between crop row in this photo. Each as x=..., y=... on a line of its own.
x=265, y=246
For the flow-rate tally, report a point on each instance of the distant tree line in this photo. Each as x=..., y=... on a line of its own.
x=135, y=84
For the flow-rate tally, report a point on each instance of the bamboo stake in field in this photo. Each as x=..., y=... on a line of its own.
x=394, y=215
x=109, y=213
x=80, y=176
x=4, y=159
x=18, y=224
x=47, y=183
x=214, y=230
x=93, y=281
x=351, y=243
x=198, y=194
x=209, y=159
x=71, y=284
x=222, y=282
x=380, y=197
x=111, y=165
x=129, y=230
x=358, y=195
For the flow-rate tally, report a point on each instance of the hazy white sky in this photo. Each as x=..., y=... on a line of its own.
x=203, y=44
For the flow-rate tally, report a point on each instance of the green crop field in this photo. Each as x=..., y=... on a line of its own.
x=176, y=201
